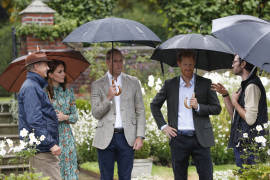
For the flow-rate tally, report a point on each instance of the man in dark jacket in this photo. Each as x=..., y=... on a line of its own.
x=189, y=127
x=247, y=108
x=36, y=115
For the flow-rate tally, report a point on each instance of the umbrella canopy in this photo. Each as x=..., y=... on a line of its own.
x=247, y=36
x=212, y=54
x=15, y=74
x=113, y=30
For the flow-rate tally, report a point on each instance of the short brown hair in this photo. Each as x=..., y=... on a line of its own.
x=112, y=51
x=186, y=53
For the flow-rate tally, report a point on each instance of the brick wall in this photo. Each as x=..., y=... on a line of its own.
x=41, y=19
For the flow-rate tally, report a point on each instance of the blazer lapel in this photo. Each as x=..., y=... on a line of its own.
x=124, y=88
x=176, y=95
x=197, y=82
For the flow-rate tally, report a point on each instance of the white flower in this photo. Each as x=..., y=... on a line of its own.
x=151, y=78
x=9, y=142
x=158, y=87
x=245, y=135
x=38, y=142
x=32, y=138
x=159, y=81
x=2, y=144
x=259, y=128
x=263, y=144
x=260, y=139
x=238, y=144
x=151, y=81
x=42, y=138
x=268, y=152
x=265, y=125
x=3, y=152
x=23, y=132
x=143, y=91
x=22, y=145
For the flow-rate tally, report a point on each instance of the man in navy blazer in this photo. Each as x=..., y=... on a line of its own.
x=190, y=101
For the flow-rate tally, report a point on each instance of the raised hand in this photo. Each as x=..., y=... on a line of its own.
x=219, y=88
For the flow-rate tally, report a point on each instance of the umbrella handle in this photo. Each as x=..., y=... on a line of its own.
x=186, y=104
x=120, y=90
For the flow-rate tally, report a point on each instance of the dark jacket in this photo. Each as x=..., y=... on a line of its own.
x=36, y=114
x=208, y=102
x=239, y=125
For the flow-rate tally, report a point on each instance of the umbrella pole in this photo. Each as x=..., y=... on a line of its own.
x=112, y=58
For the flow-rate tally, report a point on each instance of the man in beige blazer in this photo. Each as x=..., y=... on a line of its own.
x=121, y=119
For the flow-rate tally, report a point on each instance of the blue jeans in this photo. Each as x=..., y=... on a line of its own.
x=240, y=161
x=119, y=151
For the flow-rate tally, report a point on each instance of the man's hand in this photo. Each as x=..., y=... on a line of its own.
x=56, y=150
x=194, y=103
x=169, y=131
x=235, y=97
x=219, y=88
x=138, y=143
x=111, y=92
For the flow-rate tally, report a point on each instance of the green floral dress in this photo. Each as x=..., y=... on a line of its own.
x=64, y=101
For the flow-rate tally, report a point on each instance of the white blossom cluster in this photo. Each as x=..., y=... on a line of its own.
x=85, y=127
x=29, y=140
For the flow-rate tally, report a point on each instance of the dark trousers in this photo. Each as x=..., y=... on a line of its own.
x=118, y=151
x=249, y=157
x=182, y=147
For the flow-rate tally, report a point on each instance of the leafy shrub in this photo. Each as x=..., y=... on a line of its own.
x=83, y=104
x=86, y=152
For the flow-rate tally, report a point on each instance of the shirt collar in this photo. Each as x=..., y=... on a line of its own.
x=183, y=83
x=110, y=76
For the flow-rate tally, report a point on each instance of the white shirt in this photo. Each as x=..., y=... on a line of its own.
x=118, y=120
x=185, y=116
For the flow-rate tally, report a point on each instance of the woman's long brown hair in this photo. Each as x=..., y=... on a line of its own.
x=53, y=65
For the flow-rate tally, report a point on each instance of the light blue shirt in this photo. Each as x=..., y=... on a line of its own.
x=185, y=116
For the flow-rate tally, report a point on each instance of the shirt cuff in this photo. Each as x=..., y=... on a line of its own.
x=162, y=127
x=198, y=108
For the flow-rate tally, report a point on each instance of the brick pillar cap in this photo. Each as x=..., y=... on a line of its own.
x=37, y=6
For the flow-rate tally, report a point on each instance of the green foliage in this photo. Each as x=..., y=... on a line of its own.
x=258, y=172
x=84, y=10
x=70, y=15
x=86, y=152
x=146, y=13
x=25, y=176
x=144, y=152
x=196, y=16
x=5, y=51
x=83, y=104
x=60, y=29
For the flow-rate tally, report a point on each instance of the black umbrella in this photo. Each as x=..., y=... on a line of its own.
x=113, y=30
x=247, y=36
x=212, y=54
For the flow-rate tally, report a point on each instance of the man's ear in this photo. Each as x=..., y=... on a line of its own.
x=243, y=64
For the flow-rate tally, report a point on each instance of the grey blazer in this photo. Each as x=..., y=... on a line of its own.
x=131, y=107
x=209, y=105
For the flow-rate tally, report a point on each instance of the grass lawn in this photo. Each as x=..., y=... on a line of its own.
x=160, y=171
x=5, y=99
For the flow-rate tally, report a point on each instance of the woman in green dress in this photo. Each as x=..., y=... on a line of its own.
x=63, y=102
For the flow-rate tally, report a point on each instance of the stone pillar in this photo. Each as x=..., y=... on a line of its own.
x=38, y=13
